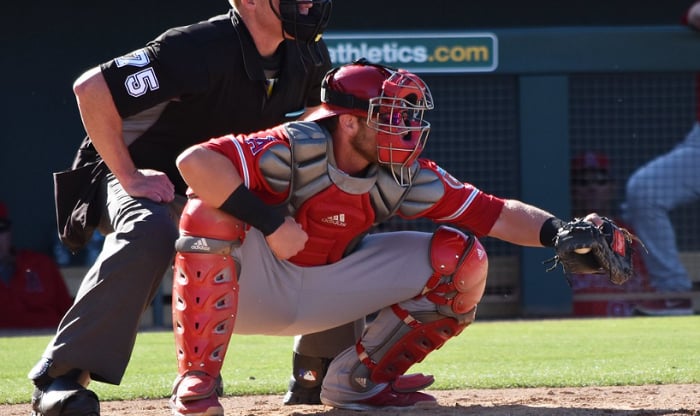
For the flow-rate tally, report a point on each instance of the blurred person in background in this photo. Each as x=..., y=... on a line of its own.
x=33, y=293
x=594, y=189
x=653, y=191
x=592, y=186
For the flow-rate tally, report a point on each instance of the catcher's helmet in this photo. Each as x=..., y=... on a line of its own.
x=393, y=102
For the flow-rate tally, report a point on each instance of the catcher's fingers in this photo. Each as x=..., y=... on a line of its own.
x=584, y=247
x=287, y=240
x=595, y=219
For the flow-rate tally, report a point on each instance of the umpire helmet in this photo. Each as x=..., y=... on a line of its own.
x=305, y=27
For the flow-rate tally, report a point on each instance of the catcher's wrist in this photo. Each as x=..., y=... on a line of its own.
x=549, y=231
x=247, y=207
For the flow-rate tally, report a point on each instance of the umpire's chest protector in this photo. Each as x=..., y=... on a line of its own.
x=335, y=209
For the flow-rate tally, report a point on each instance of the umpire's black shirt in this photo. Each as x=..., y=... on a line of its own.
x=201, y=81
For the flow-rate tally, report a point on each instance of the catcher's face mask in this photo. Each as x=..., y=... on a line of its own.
x=397, y=116
x=393, y=101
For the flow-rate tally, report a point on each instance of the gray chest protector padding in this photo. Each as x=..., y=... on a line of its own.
x=304, y=169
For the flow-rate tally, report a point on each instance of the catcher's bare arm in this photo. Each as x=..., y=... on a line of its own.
x=591, y=245
x=226, y=191
x=525, y=225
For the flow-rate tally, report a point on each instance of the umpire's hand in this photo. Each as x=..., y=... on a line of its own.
x=149, y=183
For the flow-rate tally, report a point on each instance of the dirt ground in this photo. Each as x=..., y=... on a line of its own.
x=657, y=400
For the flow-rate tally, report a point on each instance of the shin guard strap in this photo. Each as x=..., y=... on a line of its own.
x=409, y=345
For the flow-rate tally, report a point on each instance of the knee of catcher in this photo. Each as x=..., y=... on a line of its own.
x=206, y=230
x=200, y=219
x=460, y=266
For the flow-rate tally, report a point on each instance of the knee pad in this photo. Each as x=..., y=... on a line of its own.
x=460, y=267
x=202, y=220
x=205, y=288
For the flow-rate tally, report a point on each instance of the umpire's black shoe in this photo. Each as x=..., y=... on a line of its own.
x=60, y=395
x=64, y=397
x=298, y=394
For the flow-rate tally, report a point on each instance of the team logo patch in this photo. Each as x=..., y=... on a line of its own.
x=308, y=375
x=257, y=144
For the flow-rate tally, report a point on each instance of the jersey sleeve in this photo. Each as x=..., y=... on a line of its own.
x=248, y=152
x=462, y=204
x=165, y=69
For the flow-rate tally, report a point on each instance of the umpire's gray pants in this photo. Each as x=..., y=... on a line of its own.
x=98, y=333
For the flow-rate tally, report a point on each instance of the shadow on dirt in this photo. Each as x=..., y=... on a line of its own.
x=507, y=410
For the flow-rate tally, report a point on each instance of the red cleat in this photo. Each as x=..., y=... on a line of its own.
x=195, y=394
x=387, y=399
x=209, y=406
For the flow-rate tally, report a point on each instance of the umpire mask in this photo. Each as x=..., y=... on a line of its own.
x=306, y=28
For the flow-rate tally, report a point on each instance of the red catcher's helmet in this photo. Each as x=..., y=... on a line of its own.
x=393, y=102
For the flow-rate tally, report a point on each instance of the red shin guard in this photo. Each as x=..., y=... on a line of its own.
x=205, y=298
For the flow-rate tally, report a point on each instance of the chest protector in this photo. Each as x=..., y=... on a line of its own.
x=335, y=209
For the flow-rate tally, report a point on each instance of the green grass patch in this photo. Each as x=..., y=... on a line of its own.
x=489, y=354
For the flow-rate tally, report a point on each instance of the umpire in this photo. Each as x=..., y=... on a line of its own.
x=236, y=72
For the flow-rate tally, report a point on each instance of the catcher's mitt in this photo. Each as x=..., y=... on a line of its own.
x=583, y=248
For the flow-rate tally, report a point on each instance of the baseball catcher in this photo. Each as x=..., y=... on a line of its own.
x=276, y=239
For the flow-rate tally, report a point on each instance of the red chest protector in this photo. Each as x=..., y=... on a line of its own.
x=333, y=219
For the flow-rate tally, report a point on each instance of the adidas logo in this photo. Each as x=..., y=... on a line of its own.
x=200, y=245
x=338, y=219
x=361, y=381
